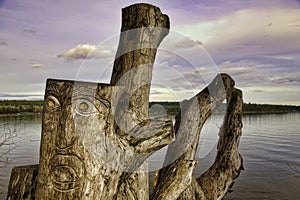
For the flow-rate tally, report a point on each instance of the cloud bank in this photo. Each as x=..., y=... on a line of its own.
x=186, y=42
x=248, y=32
x=85, y=51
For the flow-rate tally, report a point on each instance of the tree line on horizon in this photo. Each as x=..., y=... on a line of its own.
x=36, y=106
x=21, y=106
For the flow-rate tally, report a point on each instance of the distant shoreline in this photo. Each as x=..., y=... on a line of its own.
x=248, y=108
x=35, y=107
x=19, y=114
x=268, y=112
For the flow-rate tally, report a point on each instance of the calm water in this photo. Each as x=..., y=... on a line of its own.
x=28, y=129
x=270, y=146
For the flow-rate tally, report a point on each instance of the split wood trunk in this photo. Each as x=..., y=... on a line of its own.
x=97, y=137
x=218, y=179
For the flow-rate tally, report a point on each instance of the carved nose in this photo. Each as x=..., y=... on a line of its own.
x=65, y=137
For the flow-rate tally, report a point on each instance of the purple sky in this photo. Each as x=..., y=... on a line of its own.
x=255, y=41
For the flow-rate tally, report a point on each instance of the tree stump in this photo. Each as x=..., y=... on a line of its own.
x=22, y=183
x=96, y=137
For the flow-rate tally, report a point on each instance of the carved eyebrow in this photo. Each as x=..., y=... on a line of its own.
x=83, y=91
x=52, y=88
x=104, y=102
x=86, y=93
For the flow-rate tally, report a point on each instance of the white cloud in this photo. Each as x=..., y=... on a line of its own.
x=286, y=78
x=36, y=65
x=237, y=68
x=85, y=51
x=177, y=42
x=167, y=64
x=244, y=72
x=164, y=64
x=257, y=90
x=247, y=32
x=186, y=42
x=281, y=57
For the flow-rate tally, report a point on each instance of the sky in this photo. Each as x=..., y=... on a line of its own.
x=254, y=41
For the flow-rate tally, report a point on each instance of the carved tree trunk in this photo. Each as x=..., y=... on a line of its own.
x=143, y=28
x=83, y=156
x=218, y=179
x=96, y=137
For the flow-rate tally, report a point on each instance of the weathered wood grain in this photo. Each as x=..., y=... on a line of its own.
x=143, y=28
x=218, y=179
x=96, y=137
x=22, y=182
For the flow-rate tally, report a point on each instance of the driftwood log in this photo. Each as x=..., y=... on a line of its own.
x=97, y=137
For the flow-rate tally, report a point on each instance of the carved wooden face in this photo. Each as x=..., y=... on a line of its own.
x=77, y=118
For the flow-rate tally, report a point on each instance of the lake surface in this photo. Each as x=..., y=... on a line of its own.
x=270, y=146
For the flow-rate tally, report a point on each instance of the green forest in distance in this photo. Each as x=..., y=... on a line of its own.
x=13, y=107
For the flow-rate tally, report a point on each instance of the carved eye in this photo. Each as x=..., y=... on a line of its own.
x=52, y=103
x=64, y=174
x=85, y=107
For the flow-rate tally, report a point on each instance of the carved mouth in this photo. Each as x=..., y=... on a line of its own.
x=66, y=172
